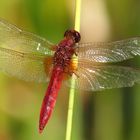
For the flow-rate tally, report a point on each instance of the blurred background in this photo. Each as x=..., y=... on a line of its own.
x=109, y=115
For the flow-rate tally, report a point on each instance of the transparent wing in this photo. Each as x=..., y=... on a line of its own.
x=14, y=38
x=109, y=52
x=100, y=77
x=23, y=54
x=22, y=66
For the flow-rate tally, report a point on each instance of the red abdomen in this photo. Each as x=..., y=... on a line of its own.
x=50, y=96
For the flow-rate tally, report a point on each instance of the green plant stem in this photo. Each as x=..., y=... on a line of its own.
x=72, y=91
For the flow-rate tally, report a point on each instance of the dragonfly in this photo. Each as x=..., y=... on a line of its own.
x=32, y=58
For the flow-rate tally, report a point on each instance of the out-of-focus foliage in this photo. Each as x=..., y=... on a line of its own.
x=110, y=115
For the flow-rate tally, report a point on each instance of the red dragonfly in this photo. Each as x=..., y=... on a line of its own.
x=33, y=58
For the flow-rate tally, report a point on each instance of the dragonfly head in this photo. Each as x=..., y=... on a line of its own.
x=73, y=34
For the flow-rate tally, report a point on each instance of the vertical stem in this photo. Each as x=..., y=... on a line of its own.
x=72, y=91
x=78, y=15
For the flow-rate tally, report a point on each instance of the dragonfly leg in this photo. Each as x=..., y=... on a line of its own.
x=76, y=74
x=76, y=50
x=76, y=53
x=70, y=72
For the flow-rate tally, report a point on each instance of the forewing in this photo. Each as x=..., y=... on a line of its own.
x=14, y=38
x=109, y=52
x=23, y=54
x=101, y=77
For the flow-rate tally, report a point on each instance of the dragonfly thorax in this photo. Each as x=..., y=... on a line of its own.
x=64, y=53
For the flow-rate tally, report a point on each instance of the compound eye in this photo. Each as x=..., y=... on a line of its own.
x=77, y=36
